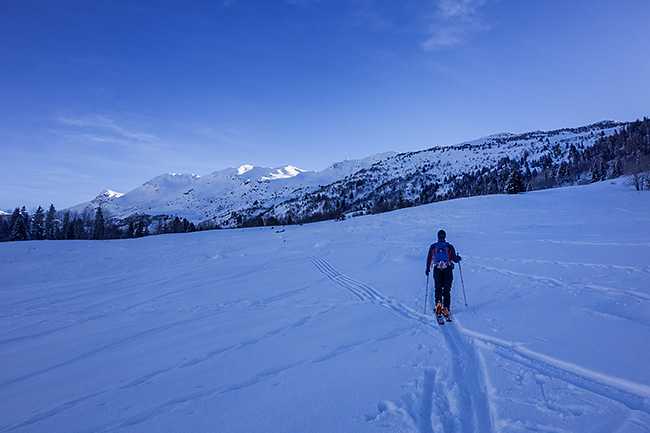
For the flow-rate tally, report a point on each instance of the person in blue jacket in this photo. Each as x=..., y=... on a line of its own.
x=442, y=256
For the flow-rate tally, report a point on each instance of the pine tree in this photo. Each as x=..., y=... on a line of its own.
x=71, y=233
x=176, y=225
x=14, y=216
x=139, y=232
x=78, y=229
x=19, y=230
x=50, y=221
x=617, y=170
x=594, y=172
x=603, y=170
x=5, y=230
x=515, y=183
x=27, y=221
x=38, y=224
x=66, y=229
x=99, y=225
x=562, y=172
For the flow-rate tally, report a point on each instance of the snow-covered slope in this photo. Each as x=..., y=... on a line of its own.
x=416, y=177
x=319, y=328
x=216, y=196
x=228, y=197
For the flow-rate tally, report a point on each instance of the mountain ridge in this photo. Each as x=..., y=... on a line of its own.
x=197, y=197
x=249, y=195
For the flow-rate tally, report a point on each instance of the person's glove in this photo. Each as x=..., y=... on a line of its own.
x=426, y=272
x=459, y=259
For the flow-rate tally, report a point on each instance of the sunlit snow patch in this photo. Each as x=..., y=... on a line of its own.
x=284, y=173
x=244, y=169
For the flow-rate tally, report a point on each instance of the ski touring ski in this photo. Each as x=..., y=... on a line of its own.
x=447, y=317
x=440, y=319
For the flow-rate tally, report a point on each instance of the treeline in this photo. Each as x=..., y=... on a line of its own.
x=54, y=225
x=626, y=152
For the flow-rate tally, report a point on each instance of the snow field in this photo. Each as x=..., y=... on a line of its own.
x=320, y=327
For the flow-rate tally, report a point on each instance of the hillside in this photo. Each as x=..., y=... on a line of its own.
x=474, y=168
x=219, y=195
x=320, y=328
x=256, y=196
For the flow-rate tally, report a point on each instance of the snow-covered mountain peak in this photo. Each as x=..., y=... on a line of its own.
x=110, y=194
x=172, y=180
x=103, y=200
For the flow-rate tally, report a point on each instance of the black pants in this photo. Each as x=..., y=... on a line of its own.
x=442, y=279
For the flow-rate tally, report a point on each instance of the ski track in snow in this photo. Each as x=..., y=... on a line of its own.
x=99, y=350
x=635, y=396
x=467, y=370
x=548, y=281
x=465, y=392
x=644, y=270
x=181, y=401
x=367, y=293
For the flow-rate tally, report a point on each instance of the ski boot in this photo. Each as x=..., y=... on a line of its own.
x=439, y=318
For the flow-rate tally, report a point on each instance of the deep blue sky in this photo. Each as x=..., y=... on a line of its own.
x=108, y=94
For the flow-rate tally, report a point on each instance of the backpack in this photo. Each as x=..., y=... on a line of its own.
x=441, y=255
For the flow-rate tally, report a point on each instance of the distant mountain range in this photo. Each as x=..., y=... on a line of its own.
x=250, y=195
x=217, y=196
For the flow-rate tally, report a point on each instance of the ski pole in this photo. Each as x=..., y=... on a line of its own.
x=462, y=282
x=426, y=295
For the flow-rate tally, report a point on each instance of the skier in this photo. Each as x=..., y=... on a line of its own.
x=442, y=256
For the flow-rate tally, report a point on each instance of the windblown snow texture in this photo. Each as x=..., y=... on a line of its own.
x=320, y=328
